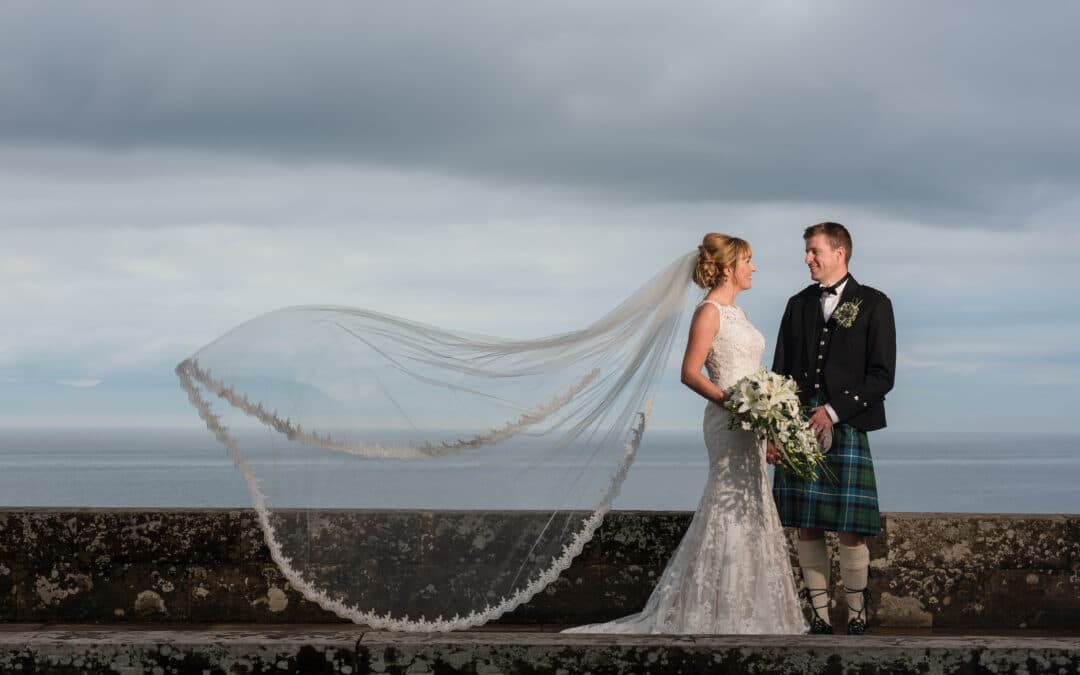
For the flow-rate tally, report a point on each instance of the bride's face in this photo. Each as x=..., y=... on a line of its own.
x=744, y=270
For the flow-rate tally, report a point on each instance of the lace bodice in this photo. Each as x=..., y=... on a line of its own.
x=736, y=349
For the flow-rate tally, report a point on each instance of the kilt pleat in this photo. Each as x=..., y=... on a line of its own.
x=847, y=504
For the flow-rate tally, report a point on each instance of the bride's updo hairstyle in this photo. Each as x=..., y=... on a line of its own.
x=717, y=253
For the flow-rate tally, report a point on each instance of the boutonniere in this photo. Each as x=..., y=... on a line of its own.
x=845, y=314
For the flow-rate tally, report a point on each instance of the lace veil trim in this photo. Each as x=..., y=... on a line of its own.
x=302, y=373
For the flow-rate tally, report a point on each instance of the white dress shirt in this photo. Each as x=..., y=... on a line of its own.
x=828, y=306
x=829, y=302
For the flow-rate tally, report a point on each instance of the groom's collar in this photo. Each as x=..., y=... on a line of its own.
x=834, y=289
x=850, y=288
x=812, y=291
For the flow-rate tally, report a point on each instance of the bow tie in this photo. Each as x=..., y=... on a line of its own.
x=831, y=290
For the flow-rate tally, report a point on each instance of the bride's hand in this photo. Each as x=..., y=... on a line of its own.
x=772, y=455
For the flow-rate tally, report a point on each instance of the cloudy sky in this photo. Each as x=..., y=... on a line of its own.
x=167, y=172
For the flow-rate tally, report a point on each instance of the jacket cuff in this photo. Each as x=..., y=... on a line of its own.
x=832, y=413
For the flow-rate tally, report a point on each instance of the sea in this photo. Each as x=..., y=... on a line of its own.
x=968, y=472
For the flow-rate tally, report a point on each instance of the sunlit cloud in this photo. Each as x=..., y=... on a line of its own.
x=519, y=170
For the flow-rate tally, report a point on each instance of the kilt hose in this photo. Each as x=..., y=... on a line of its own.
x=845, y=502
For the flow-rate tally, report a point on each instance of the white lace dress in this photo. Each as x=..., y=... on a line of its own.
x=730, y=573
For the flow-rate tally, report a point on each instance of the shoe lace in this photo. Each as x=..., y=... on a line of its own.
x=860, y=614
x=810, y=594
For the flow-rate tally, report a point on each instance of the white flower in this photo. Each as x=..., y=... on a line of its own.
x=768, y=405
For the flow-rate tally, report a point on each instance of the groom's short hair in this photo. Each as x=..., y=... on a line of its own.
x=836, y=233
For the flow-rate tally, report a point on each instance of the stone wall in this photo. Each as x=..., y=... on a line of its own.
x=210, y=566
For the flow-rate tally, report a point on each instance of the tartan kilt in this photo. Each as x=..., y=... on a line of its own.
x=847, y=504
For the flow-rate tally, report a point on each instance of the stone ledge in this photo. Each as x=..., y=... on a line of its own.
x=189, y=566
x=602, y=655
x=219, y=649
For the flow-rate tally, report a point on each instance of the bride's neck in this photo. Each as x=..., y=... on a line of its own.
x=724, y=294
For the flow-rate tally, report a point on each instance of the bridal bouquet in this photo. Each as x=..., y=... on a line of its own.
x=768, y=404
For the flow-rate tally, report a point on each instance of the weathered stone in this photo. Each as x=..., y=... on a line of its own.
x=60, y=592
x=270, y=598
x=982, y=570
x=1029, y=599
x=195, y=652
x=903, y=611
x=42, y=536
x=349, y=650
x=9, y=567
x=90, y=565
x=1072, y=545
x=228, y=591
x=149, y=603
x=15, y=653
x=161, y=537
x=602, y=654
x=641, y=537
x=1049, y=656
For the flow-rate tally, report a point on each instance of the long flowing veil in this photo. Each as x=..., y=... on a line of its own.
x=324, y=408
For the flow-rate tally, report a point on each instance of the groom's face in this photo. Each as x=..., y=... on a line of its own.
x=825, y=262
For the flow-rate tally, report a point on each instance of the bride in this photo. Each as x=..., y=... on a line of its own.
x=731, y=572
x=412, y=478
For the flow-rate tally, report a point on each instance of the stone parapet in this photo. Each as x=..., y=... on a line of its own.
x=155, y=566
x=301, y=649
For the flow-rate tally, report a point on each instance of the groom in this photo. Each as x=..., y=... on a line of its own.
x=838, y=341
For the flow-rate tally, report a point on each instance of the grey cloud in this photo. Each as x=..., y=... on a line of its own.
x=963, y=111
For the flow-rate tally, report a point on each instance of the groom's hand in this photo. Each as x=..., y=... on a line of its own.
x=820, y=422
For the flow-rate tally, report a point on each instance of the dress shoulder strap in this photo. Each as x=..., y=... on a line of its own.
x=725, y=310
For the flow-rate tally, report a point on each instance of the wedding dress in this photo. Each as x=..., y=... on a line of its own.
x=731, y=572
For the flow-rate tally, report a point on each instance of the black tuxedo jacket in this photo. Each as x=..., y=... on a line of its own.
x=860, y=362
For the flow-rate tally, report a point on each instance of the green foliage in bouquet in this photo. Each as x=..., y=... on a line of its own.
x=768, y=405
